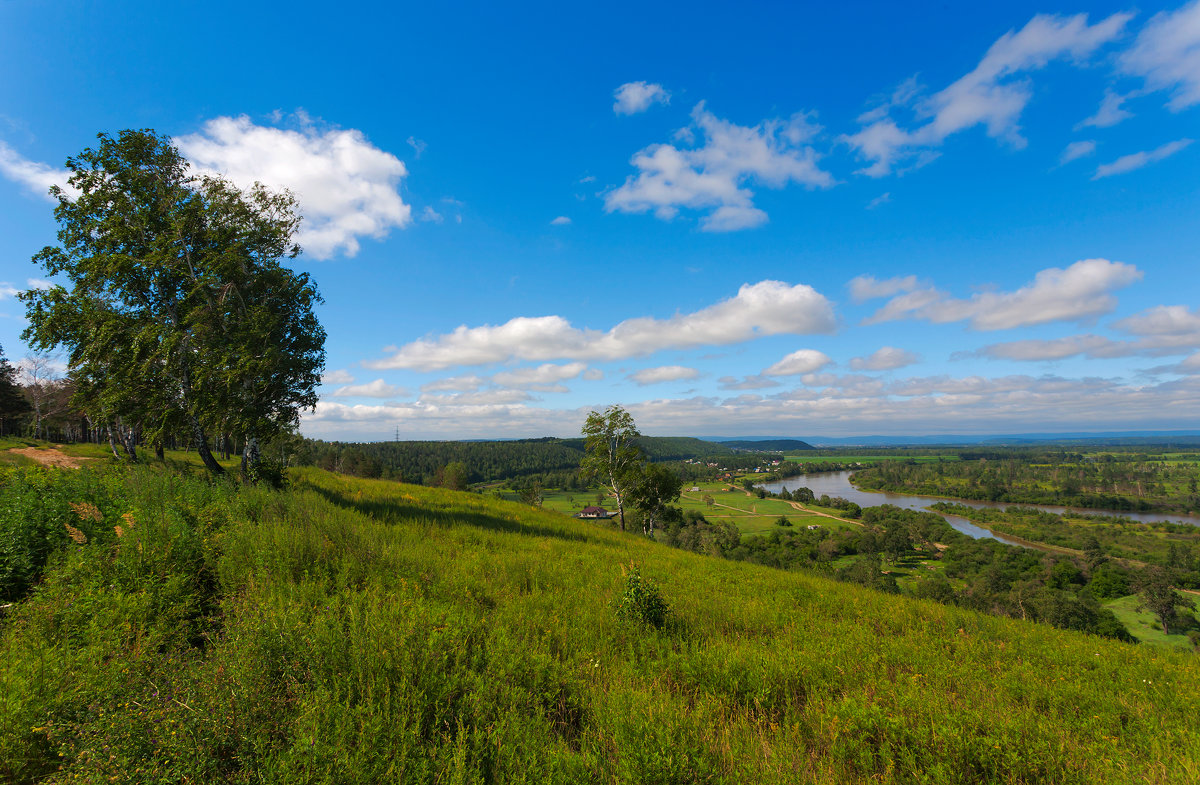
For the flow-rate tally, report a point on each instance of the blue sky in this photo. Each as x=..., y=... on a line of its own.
x=835, y=220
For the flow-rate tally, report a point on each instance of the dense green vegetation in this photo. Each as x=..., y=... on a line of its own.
x=1174, y=545
x=1123, y=481
x=553, y=462
x=361, y=631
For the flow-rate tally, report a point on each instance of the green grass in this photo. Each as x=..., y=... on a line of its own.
x=1143, y=625
x=364, y=631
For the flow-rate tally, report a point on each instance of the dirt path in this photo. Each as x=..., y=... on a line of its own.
x=50, y=456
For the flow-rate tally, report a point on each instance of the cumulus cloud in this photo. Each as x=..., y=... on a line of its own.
x=755, y=382
x=1110, y=112
x=467, y=383
x=340, y=376
x=635, y=97
x=1167, y=54
x=992, y=95
x=35, y=176
x=1076, y=150
x=1080, y=292
x=1049, y=350
x=547, y=377
x=1162, y=320
x=1127, y=163
x=376, y=389
x=761, y=309
x=346, y=187
x=663, y=373
x=713, y=176
x=430, y=215
x=867, y=287
x=887, y=358
x=798, y=362
x=939, y=404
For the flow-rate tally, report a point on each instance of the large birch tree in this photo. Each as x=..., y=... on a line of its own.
x=179, y=316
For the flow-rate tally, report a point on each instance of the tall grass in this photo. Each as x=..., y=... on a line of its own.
x=361, y=631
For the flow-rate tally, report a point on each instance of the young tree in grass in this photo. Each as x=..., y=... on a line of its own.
x=652, y=489
x=179, y=314
x=1160, y=597
x=612, y=453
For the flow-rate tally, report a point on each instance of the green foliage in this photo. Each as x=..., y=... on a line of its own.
x=642, y=601
x=359, y=631
x=179, y=317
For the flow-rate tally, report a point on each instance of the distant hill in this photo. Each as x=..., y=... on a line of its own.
x=768, y=445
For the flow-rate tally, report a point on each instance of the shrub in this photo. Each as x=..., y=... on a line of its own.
x=642, y=602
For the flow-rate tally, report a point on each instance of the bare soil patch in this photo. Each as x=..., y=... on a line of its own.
x=50, y=457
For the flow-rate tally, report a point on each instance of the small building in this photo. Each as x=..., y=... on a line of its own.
x=695, y=489
x=594, y=512
x=813, y=526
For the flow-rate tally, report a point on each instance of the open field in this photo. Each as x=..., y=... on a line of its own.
x=1142, y=624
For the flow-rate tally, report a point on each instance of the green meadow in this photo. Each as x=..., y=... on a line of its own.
x=187, y=630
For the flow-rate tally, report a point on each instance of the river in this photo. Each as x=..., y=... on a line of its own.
x=838, y=484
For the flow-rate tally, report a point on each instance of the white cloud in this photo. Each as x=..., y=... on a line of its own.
x=663, y=373
x=431, y=215
x=755, y=382
x=467, y=383
x=882, y=199
x=867, y=287
x=479, y=398
x=35, y=176
x=376, y=389
x=932, y=405
x=561, y=220
x=38, y=283
x=887, y=358
x=1162, y=320
x=340, y=376
x=417, y=145
x=1080, y=292
x=1076, y=150
x=346, y=187
x=991, y=95
x=713, y=176
x=1167, y=55
x=546, y=377
x=761, y=309
x=1128, y=163
x=798, y=362
x=1048, y=350
x=634, y=97
x=1110, y=112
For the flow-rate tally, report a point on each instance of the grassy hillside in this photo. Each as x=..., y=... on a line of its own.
x=364, y=631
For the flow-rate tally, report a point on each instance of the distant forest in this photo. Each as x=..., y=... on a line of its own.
x=424, y=462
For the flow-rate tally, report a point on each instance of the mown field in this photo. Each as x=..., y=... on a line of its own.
x=365, y=631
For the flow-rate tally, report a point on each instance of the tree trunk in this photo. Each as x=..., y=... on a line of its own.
x=112, y=441
x=201, y=440
x=129, y=442
x=159, y=452
x=251, y=457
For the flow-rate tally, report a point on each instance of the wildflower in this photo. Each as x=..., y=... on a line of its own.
x=76, y=535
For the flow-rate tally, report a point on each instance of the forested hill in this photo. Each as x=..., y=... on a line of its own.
x=484, y=461
x=768, y=445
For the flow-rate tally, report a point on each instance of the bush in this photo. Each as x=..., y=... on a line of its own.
x=642, y=602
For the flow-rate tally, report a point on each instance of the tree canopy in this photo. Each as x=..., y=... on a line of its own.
x=179, y=316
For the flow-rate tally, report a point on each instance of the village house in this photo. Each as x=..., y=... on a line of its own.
x=594, y=512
